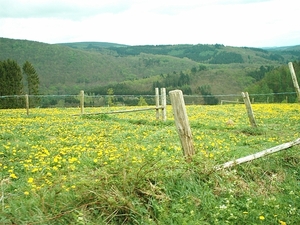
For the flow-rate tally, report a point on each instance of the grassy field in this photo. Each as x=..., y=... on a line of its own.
x=129, y=169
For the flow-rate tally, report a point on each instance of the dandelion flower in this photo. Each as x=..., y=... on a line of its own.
x=261, y=217
x=26, y=193
x=12, y=175
x=282, y=222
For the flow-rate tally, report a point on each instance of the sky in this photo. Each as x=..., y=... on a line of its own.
x=247, y=23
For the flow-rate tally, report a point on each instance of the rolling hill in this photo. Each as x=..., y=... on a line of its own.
x=69, y=67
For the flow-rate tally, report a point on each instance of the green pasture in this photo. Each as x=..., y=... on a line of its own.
x=56, y=168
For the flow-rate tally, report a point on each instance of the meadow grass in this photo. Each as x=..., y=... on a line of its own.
x=129, y=168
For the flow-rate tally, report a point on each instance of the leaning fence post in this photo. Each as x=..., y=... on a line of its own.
x=163, y=104
x=182, y=123
x=27, y=103
x=157, y=103
x=249, y=109
x=82, y=102
x=295, y=82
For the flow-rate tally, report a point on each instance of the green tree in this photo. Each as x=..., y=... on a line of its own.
x=259, y=74
x=142, y=101
x=202, y=68
x=194, y=70
x=186, y=89
x=208, y=98
x=32, y=80
x=183, y=79
x=275, y=81
x=261, y=92
x=110, y=100
x=2, y=80
x=227, y=58
x=10, y=84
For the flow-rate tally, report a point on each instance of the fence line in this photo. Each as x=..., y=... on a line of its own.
x=157, y=107
x=51, y=101
x=186, y=136
x=97, y=96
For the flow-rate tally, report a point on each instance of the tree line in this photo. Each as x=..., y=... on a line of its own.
x=273, y=82
x=15, y=80
x=200, y=53
x=174, y=81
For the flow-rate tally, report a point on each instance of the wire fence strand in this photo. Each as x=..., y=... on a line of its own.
x=52, y=101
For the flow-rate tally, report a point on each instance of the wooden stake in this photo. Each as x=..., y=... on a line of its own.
x=249, y=109
x=163, y=104
x=259, y=154
x=182, y=123
x=27, y=104
x=82, y=102
x=295, y=82
x=157, y=102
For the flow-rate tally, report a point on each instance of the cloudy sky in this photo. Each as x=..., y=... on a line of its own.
x=252, y=23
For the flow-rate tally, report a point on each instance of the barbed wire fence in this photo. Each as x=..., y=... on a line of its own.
x=66, y=101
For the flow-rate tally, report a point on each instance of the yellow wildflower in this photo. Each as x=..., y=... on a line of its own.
x=261, y=217
x=12, y=175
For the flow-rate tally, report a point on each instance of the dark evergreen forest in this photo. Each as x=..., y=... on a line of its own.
x=15, y=82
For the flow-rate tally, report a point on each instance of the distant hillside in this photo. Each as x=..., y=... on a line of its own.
x=212, y=54
x=284, y=48
x=290, y=53
x=91, y=45
x=68, y=68
x=64, y=70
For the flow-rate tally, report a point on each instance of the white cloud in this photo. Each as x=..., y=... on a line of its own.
x=230, y=22
x=59, y=8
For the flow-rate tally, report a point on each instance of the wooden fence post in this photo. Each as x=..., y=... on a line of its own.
x=163, y=104
x=27, y=103
x=249, y=109
x=295, y=82
x=157, y=102
x=82, y=102
x=182, y=123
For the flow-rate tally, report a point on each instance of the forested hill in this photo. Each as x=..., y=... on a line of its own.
x=212, y=54
x=65, y=70
x=95, y=66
